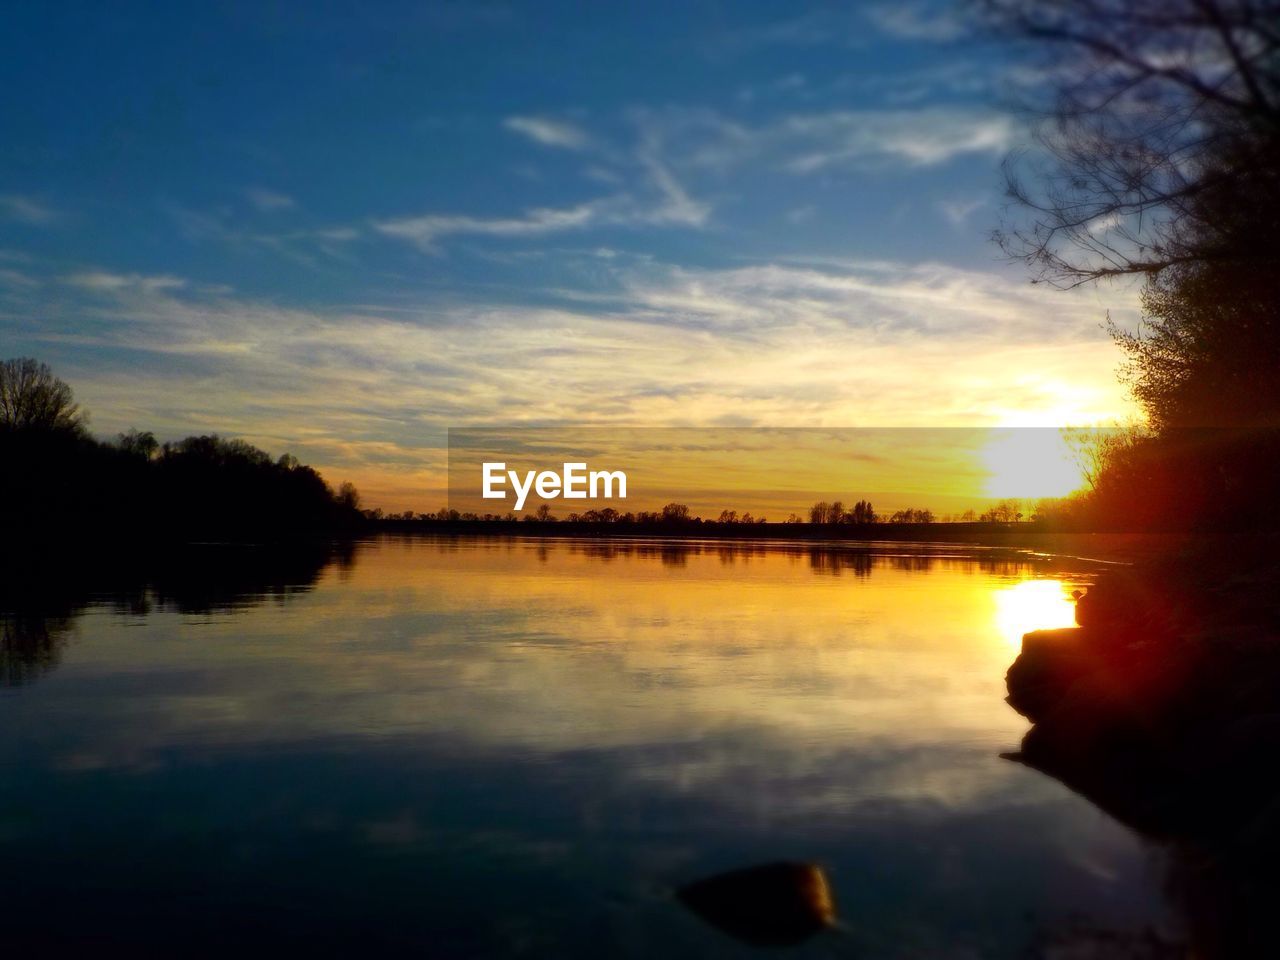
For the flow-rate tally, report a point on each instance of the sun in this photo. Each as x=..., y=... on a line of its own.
x=1029, y=463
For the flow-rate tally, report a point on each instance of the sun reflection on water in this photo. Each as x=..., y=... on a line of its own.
x=1033, y=605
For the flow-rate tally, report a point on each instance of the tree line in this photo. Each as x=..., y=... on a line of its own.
x=58, y=478
x=822, y=513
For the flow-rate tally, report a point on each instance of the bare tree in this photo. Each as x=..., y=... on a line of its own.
x=1154, y=115
x=32, y=398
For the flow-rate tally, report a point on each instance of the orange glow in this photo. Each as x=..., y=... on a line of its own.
x=1025, y=463
x=1033, y=605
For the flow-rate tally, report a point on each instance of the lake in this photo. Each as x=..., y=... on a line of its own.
x=483, y=748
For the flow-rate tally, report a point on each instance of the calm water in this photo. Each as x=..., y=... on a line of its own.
x=521, y=748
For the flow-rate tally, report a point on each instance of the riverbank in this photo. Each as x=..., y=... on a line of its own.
x=1162, y=707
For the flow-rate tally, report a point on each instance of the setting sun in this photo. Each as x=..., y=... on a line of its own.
x=1030, y=463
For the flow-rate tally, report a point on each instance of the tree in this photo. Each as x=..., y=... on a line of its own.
x=862, y=513
x=1207, y=352
x=32, y=398
x=1004, y=511
x=138, y=443
x=912, y=515
x=675, y=513
x=348, y=496
x=1158, y=115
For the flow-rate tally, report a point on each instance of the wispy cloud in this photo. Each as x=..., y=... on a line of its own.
x=549, y=132
x=917, y=20
x=102, y=281
x=367, y=394
x=814, y=28
x=677, y=205
x=811, y=142
x=923, y=137
x=426, y=230
x=957, y=212
x=802, y=214
x=28, y=210
x=669, y=204
x=17, y=280
x=269, y=201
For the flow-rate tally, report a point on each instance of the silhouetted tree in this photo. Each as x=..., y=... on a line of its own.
x=32, y=398
x=140, y=444
x=348, y=496
x=1208, y=349
x=863, y=513
x=675, y=513
x=1003, y=511
x=1162, y=132
x=1157, y=115
x=912, y=515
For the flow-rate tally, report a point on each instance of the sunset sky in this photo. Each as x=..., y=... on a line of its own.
x=340, y=230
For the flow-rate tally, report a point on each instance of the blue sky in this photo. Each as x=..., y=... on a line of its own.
x=338, y=230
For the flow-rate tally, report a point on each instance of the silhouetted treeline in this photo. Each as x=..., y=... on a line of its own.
x=675, y=515
x=59, y=480
x=1188, y=480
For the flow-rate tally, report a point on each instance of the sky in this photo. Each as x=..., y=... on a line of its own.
x=340, y=230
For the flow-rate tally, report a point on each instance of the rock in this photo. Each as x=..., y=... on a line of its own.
x=772, y=904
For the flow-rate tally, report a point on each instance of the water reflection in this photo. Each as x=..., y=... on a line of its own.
x=1033, y=605
x=40, y=603
x=524, y=748
x=30, y=645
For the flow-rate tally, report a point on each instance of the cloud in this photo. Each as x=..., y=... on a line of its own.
x=671, y=147
x=28, y=210
x=269, y=201
x=17, y=280
x=814, y=28
x=101, y=281
x=672, y=206
x=424, y=231
x=367, y=393
x=925, y=137
x=602, y=175
x=804, y=143
x=803, y=214
x=548, y=132
x=917, y=21
x=957, y=212
x=677, y=206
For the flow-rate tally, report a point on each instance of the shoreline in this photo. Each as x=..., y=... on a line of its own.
x=1097, y=547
